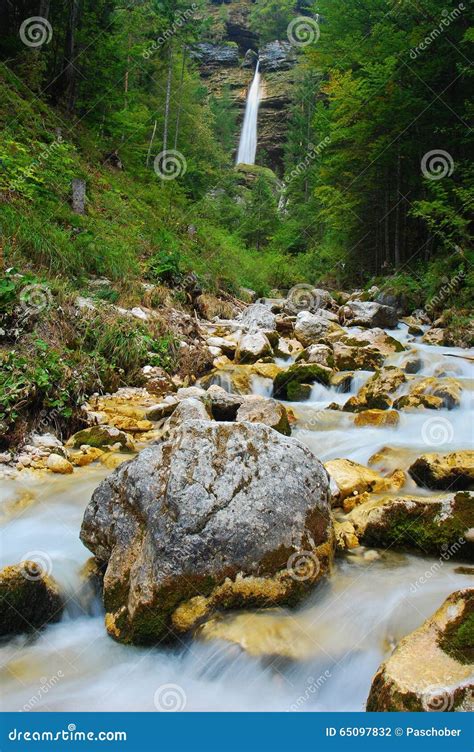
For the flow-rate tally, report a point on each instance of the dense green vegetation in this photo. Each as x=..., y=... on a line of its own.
x=116, y=84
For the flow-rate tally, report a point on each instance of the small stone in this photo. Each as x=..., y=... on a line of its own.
x=59, y=465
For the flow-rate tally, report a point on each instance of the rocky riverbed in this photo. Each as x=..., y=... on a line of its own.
x=262, y=538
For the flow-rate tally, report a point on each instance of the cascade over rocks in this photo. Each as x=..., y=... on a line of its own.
x=207, y=520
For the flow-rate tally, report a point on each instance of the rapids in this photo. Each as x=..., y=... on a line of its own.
x=328, y=648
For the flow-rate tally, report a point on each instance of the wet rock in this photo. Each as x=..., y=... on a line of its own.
x=227, y=345
x=348, y=478
x=58, y=464
x=412, y=364
x=101, y=436
x=212, y=56
x=431, y=669
x=342, y=381
x=434, y=336
x=162, y=409
x=29, y=599
x=252, y=347
x=277, y=56
x=271, y=413
x=312, y=328
x=86, y=456
x=377, y=418
x=377, y=391
x=444, y=471
x=299, y=373
x=223, y=405
x=366, y=314
x=433, y=524
x=321, y=354
x=347, y=358
x=375, y=339
x=346, y=537
x=207, y=520
x=287, y=348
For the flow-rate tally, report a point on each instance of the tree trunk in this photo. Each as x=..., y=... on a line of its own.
x=180, y=99
x=69, y=51
x=397, y=219
x=168, y=99
x=150, y=145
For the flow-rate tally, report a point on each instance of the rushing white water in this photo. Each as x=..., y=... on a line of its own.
x=347, y=625
x=248, y=137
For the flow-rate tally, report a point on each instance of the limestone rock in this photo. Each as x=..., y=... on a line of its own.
x=377, y=418
x=312, y=328
x=366, y=314
x=58, y=464
x=100, y=436
x=252, y=347
x=376, y=393
x=348, y=478
x=29, y=599
x=432, y=668
x=258, y=316
x=208, y=520
x=271, y=413
x=454, y=470
x=430, y=524
x=299, y=373
x=321, y=354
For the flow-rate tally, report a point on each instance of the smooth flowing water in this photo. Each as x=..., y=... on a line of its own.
x=321, y=656
x=248, y=137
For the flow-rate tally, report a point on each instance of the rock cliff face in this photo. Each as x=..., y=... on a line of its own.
x=229, y=61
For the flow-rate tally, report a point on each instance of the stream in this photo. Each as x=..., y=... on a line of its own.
x=321, y=656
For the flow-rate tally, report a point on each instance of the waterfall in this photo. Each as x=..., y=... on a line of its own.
x=248, y=137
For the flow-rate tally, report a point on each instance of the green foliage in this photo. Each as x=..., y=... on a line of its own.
x=270, y=18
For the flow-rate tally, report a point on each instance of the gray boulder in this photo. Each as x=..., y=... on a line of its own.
x=258, y=316
x=224, y=515
x=359, y=313
x=311, y=328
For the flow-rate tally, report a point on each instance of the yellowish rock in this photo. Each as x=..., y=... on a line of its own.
x=113, y=459
x=346, y=537
x=58, y=464
x=352, y=479
x=377, y=418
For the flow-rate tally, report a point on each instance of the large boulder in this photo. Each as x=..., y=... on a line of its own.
x=214, y=518
x=347, y=358
x=430, y=524
x=432, y=393
x=321, y=354
x=29, y=599
x=101, y=436
x=432, y=668
x=313, y=328
x=358, y=313
x=454, y=470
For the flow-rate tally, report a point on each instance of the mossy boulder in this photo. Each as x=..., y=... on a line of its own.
x=29, y=599
x=377, y=393
x=377, y=418
x=454, y=470
x=432, y=668
x=299, y=373
x=211, y=519
x=432, y=525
